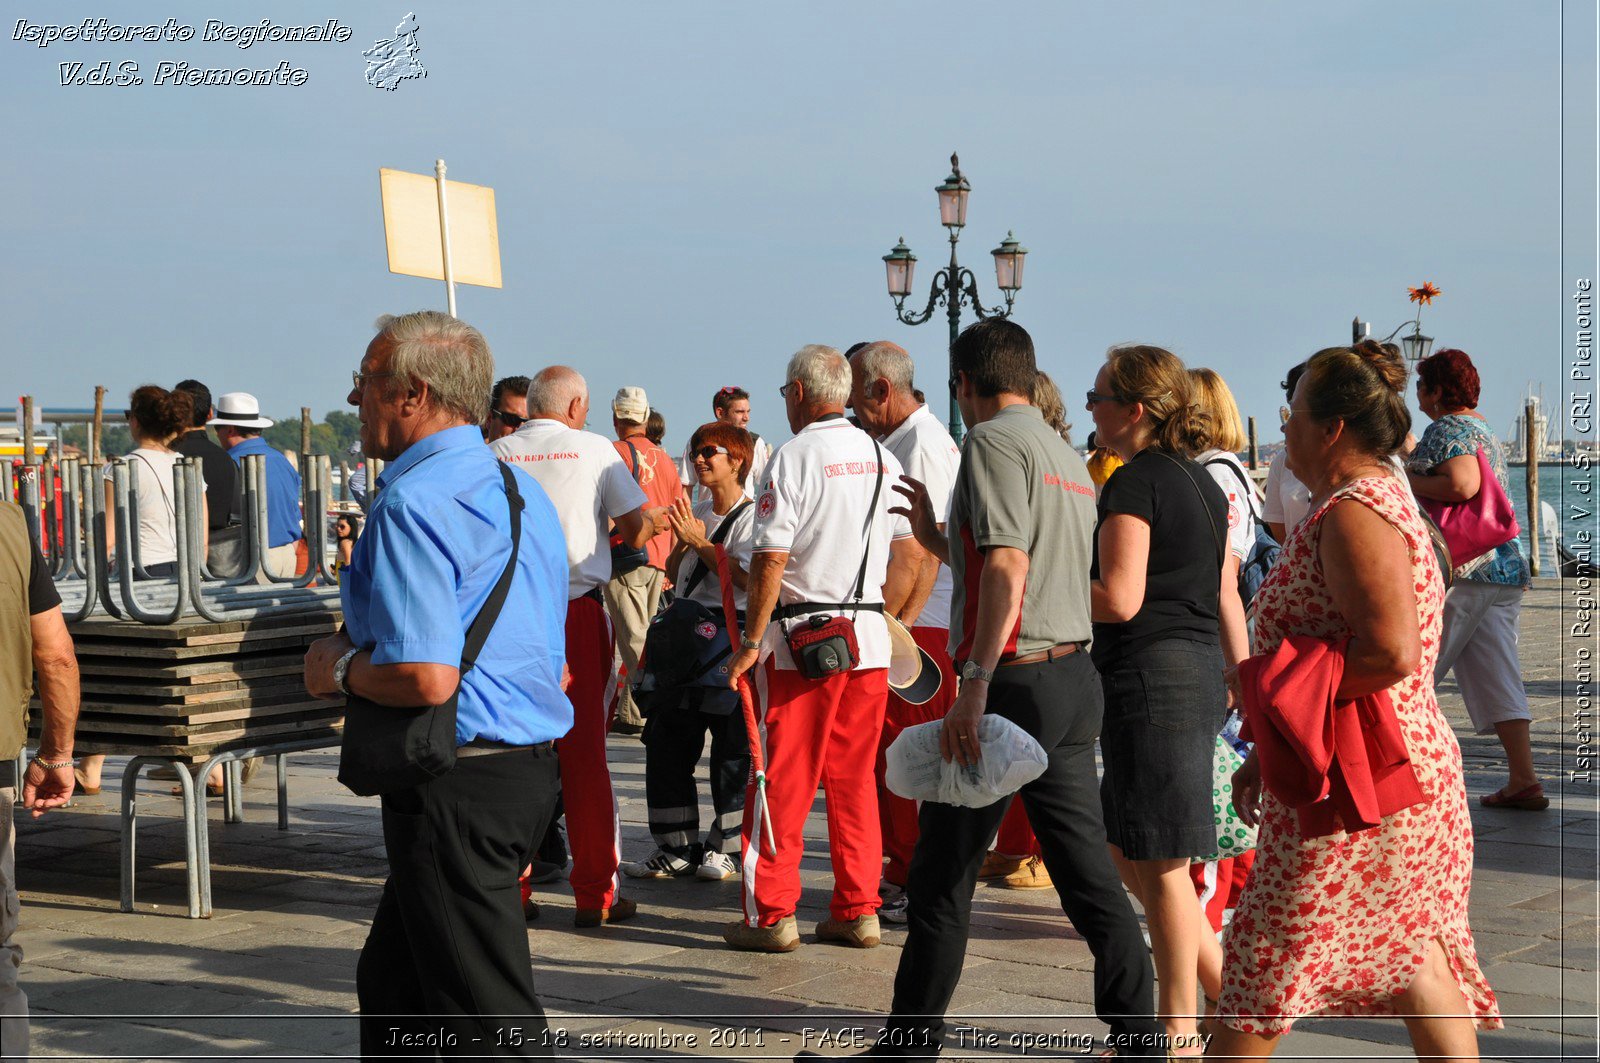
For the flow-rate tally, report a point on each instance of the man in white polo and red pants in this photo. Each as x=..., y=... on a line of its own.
x=823, y=554
x=591, y=488
x=882, y=394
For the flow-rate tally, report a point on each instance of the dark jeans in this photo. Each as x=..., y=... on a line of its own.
x=673, y=740
x=1058, y=703
x=446, y=968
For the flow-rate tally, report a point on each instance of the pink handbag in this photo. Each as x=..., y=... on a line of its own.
x=1479, y=524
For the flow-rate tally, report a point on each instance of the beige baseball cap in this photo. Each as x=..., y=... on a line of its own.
x=631, y=404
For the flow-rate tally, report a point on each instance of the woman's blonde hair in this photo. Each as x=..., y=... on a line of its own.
x=1047, y=397
x=1156, y=377
x=1211, y=394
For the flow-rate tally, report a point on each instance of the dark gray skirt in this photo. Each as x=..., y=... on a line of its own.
x=1165, y=704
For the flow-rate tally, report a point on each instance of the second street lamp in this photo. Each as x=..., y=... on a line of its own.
x=954, y=286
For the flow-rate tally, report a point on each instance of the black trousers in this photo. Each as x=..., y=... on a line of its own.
x=1058, y=703
x=673, y=741
x=446, y=968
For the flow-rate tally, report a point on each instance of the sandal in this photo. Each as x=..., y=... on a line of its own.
x=83, y=784
x=1530, y=800
x=213, y=789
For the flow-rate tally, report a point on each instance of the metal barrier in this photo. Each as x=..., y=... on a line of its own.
x=80, y=555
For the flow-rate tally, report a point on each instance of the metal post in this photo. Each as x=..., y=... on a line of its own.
x=953, y=311
x=1531, y=447
x=1255, y=452
x=444, y=239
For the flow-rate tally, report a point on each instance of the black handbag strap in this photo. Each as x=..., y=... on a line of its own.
x=1249, y=491
x=1222, y=550
x=635, y=452
x=716, y=538
x=789, y=612
x=478, y=633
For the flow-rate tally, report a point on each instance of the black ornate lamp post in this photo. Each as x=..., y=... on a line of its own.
x=954, y=286
x=1414, y=347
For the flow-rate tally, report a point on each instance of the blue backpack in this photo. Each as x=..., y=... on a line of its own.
x=1264, y=551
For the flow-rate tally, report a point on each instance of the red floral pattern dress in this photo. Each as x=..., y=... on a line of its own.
x=1340, y=925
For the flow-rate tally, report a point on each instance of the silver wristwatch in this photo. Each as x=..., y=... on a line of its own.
x=341, y=672
x=973, y=670
x=748, y=643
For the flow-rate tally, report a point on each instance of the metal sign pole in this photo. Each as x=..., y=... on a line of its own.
x=444, y=238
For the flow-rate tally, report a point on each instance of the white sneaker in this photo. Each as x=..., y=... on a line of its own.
x=659, y=864
x=715, y=867
x=895, y=904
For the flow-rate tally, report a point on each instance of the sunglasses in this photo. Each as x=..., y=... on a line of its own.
x=706, y=453
x=1095, y=397
x=510, y=420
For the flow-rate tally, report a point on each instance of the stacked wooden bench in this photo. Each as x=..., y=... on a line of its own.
x=199, y=694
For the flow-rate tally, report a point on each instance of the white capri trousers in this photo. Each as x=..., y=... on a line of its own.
x=1480, y=643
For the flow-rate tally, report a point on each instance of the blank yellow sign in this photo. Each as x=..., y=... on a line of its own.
x=411, y=228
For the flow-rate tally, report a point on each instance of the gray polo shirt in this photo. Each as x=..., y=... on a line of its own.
x=1021, y=486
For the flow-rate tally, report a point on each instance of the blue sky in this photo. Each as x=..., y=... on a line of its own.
x=689, y=192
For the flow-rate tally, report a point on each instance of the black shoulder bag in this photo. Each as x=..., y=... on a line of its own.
x=388, y=748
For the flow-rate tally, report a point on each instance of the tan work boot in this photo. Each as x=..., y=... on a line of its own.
x=862, y=932
x=621, y=908
x=1032, y=875
x=999, y=865
x=782, y=936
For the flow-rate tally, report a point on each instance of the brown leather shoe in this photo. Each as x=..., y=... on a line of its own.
x=862, y=932
x=999, y=865
x=621, y=908
x=782, y=936
x=1032, y=875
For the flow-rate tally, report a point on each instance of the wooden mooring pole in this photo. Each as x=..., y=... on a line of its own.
x=1532, y=444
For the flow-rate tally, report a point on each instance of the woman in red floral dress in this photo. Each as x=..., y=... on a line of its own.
x=1375, y=922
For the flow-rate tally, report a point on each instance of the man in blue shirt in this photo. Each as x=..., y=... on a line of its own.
x=447, y=956
x=239, y=423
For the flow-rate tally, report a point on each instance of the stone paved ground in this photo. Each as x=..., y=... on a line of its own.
x=271, y=973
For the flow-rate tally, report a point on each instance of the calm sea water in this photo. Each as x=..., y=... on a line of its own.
x=1563, y=487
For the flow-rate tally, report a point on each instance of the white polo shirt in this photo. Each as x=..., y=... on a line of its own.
x=813, y=504
x=927, y=453
x=587, y=482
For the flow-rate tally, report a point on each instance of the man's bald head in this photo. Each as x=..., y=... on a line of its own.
x=559, y=392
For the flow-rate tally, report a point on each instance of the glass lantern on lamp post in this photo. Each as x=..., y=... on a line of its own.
x=954, y=286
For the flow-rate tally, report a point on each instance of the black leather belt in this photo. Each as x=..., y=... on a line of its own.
x=593, y=592
x=482, y=747
x=1053, y=653
x=789, y=612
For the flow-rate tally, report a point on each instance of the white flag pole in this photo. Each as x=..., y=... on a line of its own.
x=444, y=238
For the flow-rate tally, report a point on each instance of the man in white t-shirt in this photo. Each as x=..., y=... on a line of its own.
x=883, y=397
x=824, y=540
x=591, y=488
x=731, y=406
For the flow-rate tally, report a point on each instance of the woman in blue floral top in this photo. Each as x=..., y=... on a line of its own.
x=1483, y=607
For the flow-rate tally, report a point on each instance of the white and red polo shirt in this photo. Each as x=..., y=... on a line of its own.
x=928, y=453
x=589, y=485
x=814, y=504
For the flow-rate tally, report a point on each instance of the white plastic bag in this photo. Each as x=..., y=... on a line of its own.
x=1011, y=760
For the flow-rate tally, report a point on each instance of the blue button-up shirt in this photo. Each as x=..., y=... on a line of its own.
x=283, y=490
x=438, y=536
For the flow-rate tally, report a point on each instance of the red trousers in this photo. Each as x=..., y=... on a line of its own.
x=897, y=816
x=591, y=806
x=817, y=732
x=1218, y=883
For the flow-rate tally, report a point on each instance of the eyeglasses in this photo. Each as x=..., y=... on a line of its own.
x=358, y=378
x=706, y=453
x=1284, y=413
x=1095, y=397
x=784, y=391
x=729, y=390
x=510, y=420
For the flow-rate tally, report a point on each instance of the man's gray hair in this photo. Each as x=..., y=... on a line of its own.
x=823, y=372
x=553, y=388
x=449, y=355
x=888, y=361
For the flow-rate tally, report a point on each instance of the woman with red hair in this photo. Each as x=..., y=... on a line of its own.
x=1483, y=606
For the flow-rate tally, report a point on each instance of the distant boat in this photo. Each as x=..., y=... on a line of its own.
x=1571, y=566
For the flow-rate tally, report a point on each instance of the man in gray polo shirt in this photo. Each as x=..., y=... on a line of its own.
x=1019, y=543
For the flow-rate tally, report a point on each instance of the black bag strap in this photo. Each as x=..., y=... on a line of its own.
x=478, y=633
x=1249, y=489
x=635, y=452
x=866, y=531
x=1222, y=550
x=716, y=537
